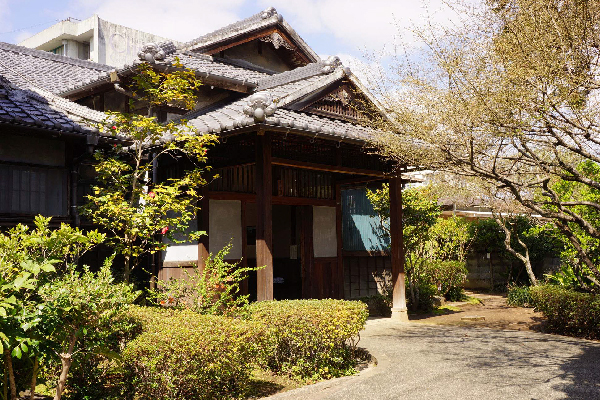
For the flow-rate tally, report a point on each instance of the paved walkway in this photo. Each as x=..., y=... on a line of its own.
x=419, y=361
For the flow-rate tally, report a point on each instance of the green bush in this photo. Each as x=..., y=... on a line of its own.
x=378, y=305
x=568, y=312
x=184, y=355
x=447, y=276
x=310, y=339
x=519, y=296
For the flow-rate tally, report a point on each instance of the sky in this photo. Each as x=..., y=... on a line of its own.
x=347, y=28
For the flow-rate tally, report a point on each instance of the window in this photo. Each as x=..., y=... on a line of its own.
x=60, y=50
x=33, y=190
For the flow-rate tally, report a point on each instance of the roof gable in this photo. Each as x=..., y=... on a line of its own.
x=266, y=29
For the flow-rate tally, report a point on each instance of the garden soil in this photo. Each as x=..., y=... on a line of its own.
x=492, y=312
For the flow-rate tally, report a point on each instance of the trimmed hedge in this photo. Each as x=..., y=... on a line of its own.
x=185, y=355
x=310, y=339
x=568, y=312
x=519, y=296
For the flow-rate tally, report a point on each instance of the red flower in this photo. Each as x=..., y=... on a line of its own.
x=113, y=128
x=164, y=230
x=114, y=145
x=151, y=195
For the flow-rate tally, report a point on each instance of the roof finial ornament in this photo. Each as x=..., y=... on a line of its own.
x=268, y=13
x=260, y=106
x=331, y=64
x=151, y=53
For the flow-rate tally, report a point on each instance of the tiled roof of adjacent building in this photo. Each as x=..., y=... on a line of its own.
x=49, y=71
x=31, y=106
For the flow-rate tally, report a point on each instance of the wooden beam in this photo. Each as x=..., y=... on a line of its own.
x=264, y=218
x=279, y=200
x=203, y=226
x=399, y=310
x=330, y=168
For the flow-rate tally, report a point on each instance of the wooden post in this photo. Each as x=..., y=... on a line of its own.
x=338, y=227
x=399, y=310
x=307, y=253
x=264, y=217
x=203, y=226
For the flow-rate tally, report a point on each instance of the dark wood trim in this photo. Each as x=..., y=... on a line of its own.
x=326, y=259
x=365, y=179
x=329, y=168
x=366, y=253
x=280, y=200
x=264, y=218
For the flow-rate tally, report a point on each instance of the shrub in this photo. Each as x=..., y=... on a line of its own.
x=213, y=290
x=310, y=339
x=519, y=296
x=447, y=276
x=378, y=305
x=568, y=312
x=184, y=355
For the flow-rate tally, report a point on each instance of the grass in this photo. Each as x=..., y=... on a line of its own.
x=473, y=300
x=445, y=310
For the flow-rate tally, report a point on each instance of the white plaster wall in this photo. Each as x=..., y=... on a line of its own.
x=225, y=226
x=324, y=232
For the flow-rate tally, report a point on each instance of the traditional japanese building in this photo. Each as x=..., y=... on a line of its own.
x=292, y=138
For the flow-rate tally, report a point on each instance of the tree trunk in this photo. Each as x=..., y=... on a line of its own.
x=523, y=258
x=126, y=273
x=36, y=365
x=66, y=359
x=11, y=374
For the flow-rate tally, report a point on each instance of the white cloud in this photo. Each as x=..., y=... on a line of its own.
x=181, y=20
x=372, y=25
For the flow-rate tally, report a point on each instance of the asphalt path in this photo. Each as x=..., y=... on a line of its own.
x=420, y=361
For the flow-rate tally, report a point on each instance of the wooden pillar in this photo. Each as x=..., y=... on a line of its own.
x=264, y=217
x=397, y=251
x=307, y=251
x=244, y=263
x=338, y=228
x=203, y=226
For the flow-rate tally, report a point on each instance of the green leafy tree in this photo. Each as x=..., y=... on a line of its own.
x=75, y=309
x=138, y=216
x=29, y=260
x=508, y=94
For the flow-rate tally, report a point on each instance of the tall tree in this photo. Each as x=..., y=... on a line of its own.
x=138, y=216
x=510, y=95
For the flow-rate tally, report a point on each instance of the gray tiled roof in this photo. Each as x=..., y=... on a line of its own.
x=264, y=19
x=207, y=64
x=283, y=92
x=46, y=70
x=36, y=107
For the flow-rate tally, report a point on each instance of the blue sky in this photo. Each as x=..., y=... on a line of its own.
x=343, y=27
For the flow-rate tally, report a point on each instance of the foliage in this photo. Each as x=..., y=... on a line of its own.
x=184, y=355
x=519, y=296
x=567, y=311
x=310, y=339
x=430, y=243
x=378, y=305
x=121, y=202
x=509, y=95
x=76, y=306
x=211, y=290
x=447, y=277
x=29, y=260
